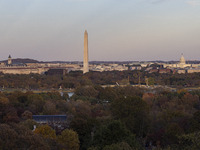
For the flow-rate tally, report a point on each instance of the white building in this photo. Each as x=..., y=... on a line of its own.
x=181, y=64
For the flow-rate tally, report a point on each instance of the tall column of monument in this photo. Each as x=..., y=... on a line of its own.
x=85, y=58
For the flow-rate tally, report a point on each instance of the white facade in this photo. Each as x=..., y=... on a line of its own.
x=181, y=64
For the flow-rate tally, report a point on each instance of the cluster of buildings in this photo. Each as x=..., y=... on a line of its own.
x=108, y=67
x=62, y=68
x=151, y=67
x=11, y=67
x=181, y=67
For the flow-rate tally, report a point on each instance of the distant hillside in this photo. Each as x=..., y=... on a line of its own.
x=22, y=60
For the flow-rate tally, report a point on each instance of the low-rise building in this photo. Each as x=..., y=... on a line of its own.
x=193, y=70
x=165, y=71
x=181, y=71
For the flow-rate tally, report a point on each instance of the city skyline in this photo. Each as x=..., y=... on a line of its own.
x=119, y=30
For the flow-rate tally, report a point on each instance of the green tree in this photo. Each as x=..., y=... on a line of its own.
x=84, y=127
x=35, y=103
x=195, y=122
x=29, y=123
x=151, y=81
x=88, y=91
x=114, y=132
x=173, y=130
x=189, y=141
x=65, y=96
x=108, y=94
x=133, y=111
x=69, y=139
x=119, y=146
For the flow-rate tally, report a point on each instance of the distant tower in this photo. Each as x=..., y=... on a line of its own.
x=9, y=60
x=85, y=58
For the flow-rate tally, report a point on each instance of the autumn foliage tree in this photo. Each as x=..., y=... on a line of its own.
x=46, y=131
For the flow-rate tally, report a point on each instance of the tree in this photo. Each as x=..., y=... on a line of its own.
x=11, y=115
x=88, y=91
x=14, y=136
x=35, y=103
x=46, y=131
x=49, y=108
x=83, y=126
x=8, y=137
x=65, y=96
x=69, y=139
x=4, y=100
x=151, y=81
x=114, y=132
x=29, y=123
x=27, y=115
x=133, y=111
x=108, y=94
x=189, y=141
x=173, y=130
x=119, y=146
x=195, y=122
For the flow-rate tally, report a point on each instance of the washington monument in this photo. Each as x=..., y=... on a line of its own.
x=85, y=58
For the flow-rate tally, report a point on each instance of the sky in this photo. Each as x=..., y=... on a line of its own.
x=118, y=30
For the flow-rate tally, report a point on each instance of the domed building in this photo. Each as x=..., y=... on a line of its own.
x=182, y=64
x=182, y=60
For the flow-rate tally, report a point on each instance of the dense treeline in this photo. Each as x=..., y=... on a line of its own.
x=103, y=119
x=162, y=120
x=76, y=79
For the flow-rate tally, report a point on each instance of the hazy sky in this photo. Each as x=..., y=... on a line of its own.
x=118, y=29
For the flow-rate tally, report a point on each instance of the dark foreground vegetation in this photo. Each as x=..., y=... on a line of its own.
x=76, y=79
x=110, y=118
x=119, y=118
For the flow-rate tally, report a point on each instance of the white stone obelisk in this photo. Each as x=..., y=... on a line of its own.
x=85, y=58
